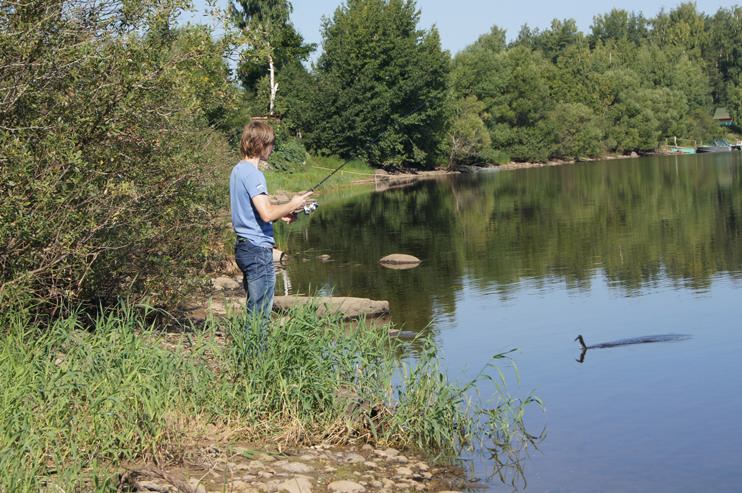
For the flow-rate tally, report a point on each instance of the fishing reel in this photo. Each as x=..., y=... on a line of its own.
x=310, y=207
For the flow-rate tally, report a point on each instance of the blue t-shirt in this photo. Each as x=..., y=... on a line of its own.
x=246, y=182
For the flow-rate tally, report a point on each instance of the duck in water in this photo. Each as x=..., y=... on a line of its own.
x=628, y=342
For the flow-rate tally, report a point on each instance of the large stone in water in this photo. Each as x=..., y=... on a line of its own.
x=399, y=261
x=349, y=308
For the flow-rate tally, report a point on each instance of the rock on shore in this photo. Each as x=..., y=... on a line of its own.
x=349, y=308
x=320, y=468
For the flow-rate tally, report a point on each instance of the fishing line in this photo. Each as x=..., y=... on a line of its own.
x=371, y=143
x=309, y=208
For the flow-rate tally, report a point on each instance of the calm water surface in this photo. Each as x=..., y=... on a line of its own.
x=529, y=259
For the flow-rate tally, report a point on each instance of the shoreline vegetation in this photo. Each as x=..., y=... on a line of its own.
x=91, y=404
x=359, y=173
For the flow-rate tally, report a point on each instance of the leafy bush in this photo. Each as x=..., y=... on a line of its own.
x=105, y=154
x=289, y=154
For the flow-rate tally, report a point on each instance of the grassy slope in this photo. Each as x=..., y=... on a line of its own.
x=76, y=401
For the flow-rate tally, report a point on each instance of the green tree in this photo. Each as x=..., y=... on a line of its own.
x=619, y=25
x=551, y=42
x=381, y=85
x=206, y=81
x=579, y=132
x=723, y=51
x=272, y=42
x=734, y=96
x=468, y=138
x=683, y=27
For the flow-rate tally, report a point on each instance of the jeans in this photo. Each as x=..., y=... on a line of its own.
x=259, y=278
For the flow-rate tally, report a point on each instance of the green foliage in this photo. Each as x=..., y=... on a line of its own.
x=297, y=92
x=682, y=27
x=630, y=84
x=734, y=97
x=579, y=132
x=468, y=139
x=723, y=51
x=77, y=403
x=381, y=85
x=289, y=154
x=205, y=79
x=106, y=154
x=272, y=43
x=551, y=42
x=619, y=25
x=270, y=22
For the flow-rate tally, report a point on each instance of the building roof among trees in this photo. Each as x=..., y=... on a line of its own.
x=722, y=114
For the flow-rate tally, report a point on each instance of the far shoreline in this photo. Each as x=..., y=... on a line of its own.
x=404, y=176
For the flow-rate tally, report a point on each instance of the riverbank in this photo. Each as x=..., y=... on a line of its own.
x=357, y=173
x=558, y=162
x=87, y=400
x=242, y=468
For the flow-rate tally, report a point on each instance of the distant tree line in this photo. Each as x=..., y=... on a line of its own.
x=384, y=90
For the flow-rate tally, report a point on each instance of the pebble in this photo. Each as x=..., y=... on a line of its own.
x=353, y=458
x=299, y=484
x=345, y=487
x=297, y=467
x=310, y=470
x=388, y=453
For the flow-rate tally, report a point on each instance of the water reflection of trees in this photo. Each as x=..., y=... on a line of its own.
x=639, y=221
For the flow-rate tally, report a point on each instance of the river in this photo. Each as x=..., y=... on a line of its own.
x=529, y=259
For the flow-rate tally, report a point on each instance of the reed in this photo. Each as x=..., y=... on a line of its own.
x=77, y=399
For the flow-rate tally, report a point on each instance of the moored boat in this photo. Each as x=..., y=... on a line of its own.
x=717, y=146
x=681, y=150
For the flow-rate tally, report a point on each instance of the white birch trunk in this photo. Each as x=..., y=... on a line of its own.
x=274, y=85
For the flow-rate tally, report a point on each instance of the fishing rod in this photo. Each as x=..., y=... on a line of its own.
x=328, y=177
x=312, y=206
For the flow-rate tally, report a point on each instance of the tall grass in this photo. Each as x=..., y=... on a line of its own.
x=76, y=400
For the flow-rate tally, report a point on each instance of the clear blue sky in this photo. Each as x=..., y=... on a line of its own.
x=461, y=22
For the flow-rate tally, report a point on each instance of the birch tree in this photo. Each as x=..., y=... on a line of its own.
x=271, y=39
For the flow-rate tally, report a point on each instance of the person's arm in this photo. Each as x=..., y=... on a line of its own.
x=271, y=212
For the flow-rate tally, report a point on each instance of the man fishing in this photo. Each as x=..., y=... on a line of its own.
x=253, y=214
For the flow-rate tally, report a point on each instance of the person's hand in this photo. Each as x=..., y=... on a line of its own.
x=289, y=219
x=299, y=200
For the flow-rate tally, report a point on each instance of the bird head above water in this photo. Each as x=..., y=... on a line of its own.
x=581, y=341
